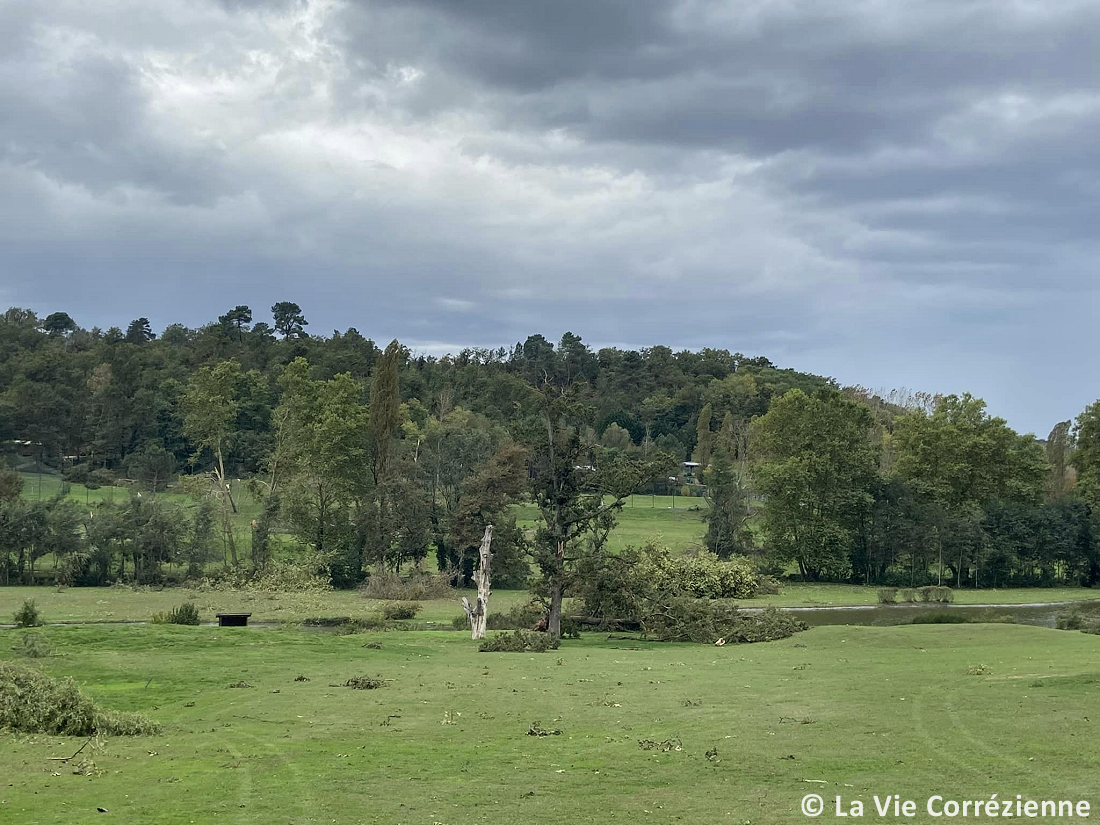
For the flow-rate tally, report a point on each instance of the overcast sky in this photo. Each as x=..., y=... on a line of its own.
x=891, y=193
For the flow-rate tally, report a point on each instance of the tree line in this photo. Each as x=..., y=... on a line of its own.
x=369, y=457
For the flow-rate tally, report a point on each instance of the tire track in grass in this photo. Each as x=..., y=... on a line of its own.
x=305, y=801
x=944, y=753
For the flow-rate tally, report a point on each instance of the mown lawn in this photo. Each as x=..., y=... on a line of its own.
x=862, y=710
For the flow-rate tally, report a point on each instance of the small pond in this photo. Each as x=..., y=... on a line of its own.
x=885, y=615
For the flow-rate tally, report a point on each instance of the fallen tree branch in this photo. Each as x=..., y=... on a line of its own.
x=75, y=755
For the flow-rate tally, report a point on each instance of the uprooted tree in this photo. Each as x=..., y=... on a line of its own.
x=479, y=614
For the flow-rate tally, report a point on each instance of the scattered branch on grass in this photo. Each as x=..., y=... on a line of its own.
x=664, y=746
x=75, y=755
x=537, y=729
x=34, y=646
x=364, y=683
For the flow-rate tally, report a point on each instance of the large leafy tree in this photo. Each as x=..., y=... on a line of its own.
x=139, y=332
x=385, y=409
x=1086, y=456
x=961, y=460
x=210, y=414
x=486, y=497
x=961, y=456
x=289, y=320
x=815, y=471
x=323, y=442
x=729, y=512
x=58, y=323
x=578, y=494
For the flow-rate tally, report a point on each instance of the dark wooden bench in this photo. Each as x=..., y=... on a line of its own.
x=233, y=619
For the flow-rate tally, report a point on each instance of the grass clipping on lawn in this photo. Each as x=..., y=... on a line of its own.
x=32, y=702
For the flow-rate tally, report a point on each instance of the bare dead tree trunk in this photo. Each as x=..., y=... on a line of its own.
x=479, y=614
x=223, y=482
x=553, y=623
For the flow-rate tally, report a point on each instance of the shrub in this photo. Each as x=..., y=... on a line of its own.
x=34, y=646
x=385, y=584
x=518, y=617
x=519, y=641
x=32, y=702
x=187, y=614
x=700, y=620
x=28, y=615
x=707, y=577
x=943, y=595
x=78, y=473
x=767, y=585
x=622, y=590
x=400, y=610
x=101, y=478
x=1085, y=619
x=892, y=595
x=940, y=617
x=310, y=575
x=346, y=625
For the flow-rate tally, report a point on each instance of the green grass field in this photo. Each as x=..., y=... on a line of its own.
x=858, y=711
x=123, y=604
x=118, y=604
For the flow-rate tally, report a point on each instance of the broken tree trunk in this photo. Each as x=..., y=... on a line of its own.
x=479, y=614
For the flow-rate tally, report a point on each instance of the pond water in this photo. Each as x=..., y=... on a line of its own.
x=885, y=615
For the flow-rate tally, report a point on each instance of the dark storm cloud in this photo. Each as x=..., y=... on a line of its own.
x=897, y=194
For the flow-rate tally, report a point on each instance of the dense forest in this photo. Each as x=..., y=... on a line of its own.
x=368, y=458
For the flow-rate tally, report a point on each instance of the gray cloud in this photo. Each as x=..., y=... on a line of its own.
x=895, y=194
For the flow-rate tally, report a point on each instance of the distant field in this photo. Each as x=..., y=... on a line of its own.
x=648, y=518
x=672, y=520
x=46, y=486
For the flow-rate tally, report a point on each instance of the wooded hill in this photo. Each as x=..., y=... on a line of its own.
x=369, y=455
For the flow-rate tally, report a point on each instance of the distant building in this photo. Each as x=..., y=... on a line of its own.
x=26, y=448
